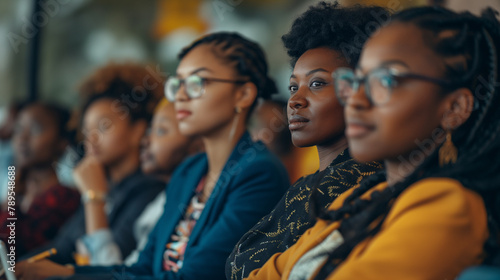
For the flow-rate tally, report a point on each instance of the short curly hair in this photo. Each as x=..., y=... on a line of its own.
x=137, y=87
x=343, y=29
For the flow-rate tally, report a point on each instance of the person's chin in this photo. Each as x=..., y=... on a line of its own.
x=300, y=140
x=147, y=168
x=361, y=154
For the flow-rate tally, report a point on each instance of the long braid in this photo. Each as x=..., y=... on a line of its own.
x=249, y=58
x=476, y=139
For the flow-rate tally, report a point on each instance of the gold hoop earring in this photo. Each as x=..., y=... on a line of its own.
x=448, y=152
x=238, y=110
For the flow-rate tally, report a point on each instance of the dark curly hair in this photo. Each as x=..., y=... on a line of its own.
x=343, y=29
x=248, y=56
x=136, y=88
x=477, y=39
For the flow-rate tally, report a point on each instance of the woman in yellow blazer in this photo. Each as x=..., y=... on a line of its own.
x=427, y=105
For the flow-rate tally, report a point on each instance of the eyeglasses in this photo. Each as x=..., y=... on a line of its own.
x=378, y=83
x=194, y=84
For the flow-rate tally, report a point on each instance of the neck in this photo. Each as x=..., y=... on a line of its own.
x=40, y=179
x=123, y=167
x=327, y=153
x=219, y=146
x=397, y=170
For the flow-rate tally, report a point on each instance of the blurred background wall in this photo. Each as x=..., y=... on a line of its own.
x=76, y=36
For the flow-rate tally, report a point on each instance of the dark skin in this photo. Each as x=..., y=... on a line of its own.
x=164, y=147
x=314, y=113
x=37, y=144
x=213, y=126
x=390, y=132
x=112, y=146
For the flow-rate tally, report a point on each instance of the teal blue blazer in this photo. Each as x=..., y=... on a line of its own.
x=251, y=183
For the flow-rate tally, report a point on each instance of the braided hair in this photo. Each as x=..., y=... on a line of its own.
x=248, y=56
x=477, y=40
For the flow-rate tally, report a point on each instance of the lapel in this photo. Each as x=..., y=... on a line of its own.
x=179, y=195
x=217, y=198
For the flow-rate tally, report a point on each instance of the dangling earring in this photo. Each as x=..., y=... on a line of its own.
x=235, y=122
x=448, y=151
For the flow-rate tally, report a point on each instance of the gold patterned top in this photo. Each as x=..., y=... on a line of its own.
x=292, y=215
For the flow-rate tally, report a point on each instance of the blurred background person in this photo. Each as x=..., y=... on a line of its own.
x=269, y=124
x=117, y=109
x=214, y=197
x=6, y=150
x=163, y=149
x=42, y=203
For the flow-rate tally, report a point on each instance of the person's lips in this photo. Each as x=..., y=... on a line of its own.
x=296, y=122
x=358, y=129
x=182, y=114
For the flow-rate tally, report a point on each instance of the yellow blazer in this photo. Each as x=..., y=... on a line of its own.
x=435, y=229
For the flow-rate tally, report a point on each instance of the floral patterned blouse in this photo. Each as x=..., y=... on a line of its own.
x=174, y=251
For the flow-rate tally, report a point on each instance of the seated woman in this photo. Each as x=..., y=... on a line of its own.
x=42, y=204
x=316, y=118
x=109, y=177
x=427, y=105
x=215, y=197
x=163, y=149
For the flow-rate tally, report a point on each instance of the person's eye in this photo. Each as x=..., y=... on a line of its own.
x=104, y=126
x=293, y=89
x=388, y=81
x=317, y=84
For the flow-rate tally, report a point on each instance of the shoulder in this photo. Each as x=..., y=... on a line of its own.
x=138, y=187
x=256, y=155
x=437, y=198
x=440, y=189
x=194, y=162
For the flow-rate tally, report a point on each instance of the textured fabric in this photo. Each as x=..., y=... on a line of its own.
x=101, y=248
x=435, y=229
x=175, y=249
x=291, y=217
x=145, y=224
x=126, y=200
x=249, y=186
x=316, y=257
x=47, y=213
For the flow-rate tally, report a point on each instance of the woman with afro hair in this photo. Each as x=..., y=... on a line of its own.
x=426, y=105
x=324, y=38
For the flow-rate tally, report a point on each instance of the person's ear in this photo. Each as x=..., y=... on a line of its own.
x=137, y=132
x=246, y=96
x=458, y=108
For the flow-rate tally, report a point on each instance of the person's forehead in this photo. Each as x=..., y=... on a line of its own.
x=400, y=42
